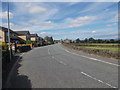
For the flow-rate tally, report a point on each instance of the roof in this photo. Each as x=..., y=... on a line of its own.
x=16, y=38
x=6, y=29
x=22, y=32
x=33, y=35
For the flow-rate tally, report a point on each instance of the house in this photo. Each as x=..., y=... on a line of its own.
x=25, y=35
x=67, y=41
x=33, y=37
x=13, y=36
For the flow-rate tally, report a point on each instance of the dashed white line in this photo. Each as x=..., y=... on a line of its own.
x=55, y=58
x=48, y=51
x=98, y=80
x=91, y=58
x=62, y=62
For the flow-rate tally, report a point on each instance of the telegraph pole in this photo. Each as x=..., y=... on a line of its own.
x=9, y=31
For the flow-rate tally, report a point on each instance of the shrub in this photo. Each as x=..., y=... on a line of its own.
x=29, y=42
x=24, y=48
x=4, y=46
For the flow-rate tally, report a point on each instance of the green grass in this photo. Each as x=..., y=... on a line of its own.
x=100, y=44
x=104, y=48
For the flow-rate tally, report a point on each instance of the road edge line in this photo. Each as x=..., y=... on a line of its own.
x=94, y=59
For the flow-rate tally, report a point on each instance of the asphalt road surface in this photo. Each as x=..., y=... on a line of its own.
x=56, y=66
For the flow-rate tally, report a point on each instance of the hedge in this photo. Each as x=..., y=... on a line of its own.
x=23, y=48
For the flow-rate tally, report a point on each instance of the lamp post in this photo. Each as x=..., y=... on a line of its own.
x=9, y=31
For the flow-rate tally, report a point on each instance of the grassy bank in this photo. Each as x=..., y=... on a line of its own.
x=110, y=50
x=105, y=48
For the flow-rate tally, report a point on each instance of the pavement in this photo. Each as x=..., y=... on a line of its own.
x=56, y=66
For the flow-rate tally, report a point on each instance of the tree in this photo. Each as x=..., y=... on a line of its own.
x=91, y=40
x=49, y=40
x=77, y=40
x=112, y=40
x=86, y=40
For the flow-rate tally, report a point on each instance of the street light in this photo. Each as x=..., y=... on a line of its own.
x=9, y=31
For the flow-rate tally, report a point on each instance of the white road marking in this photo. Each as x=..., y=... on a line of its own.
x=98, y=80
x=48, y=51
x=59, y=61
x=62, y=62
x=91, y=58
x=55, y=58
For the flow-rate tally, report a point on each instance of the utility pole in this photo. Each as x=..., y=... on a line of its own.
x=9, y=31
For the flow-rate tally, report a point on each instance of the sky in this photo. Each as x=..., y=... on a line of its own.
x=64, y=20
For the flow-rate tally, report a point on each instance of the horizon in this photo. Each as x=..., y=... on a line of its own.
x=63, y=20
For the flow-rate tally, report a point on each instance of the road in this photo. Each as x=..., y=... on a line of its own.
x=56, y=66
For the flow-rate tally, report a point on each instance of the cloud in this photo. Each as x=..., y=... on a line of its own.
x=110, y=25
x=75, y=25
x=41, y=33
x=15, y=27
x=93, y=31
x=33, y=9
x=6, y=24
x=36, y=9
x=4, y=15
x=79, y=21
x=47, y=22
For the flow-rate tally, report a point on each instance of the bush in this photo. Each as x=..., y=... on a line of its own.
x=29, y=42
x=24, y=48
x=4, y=46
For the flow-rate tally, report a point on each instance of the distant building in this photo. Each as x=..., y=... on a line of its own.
x=67, y=41
x=25, y=35
x=13, y=36
x=33, y=37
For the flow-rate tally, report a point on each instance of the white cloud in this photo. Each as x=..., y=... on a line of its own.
x=79, y=21
x=6, y=24
x=15, y=27
x=48, y=22
x=36, y=9
x=5, y=15
x=32, y=8
x=75, y=25
x=110, y=25
x=33, y=21
x=93, y=31
x=41, y=33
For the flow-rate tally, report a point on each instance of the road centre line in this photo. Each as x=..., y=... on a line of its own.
x=98, y=80
x=55, y=58
x=91, y=58
x=48, y=51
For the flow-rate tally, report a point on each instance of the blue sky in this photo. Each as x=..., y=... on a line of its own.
x=64, y=19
